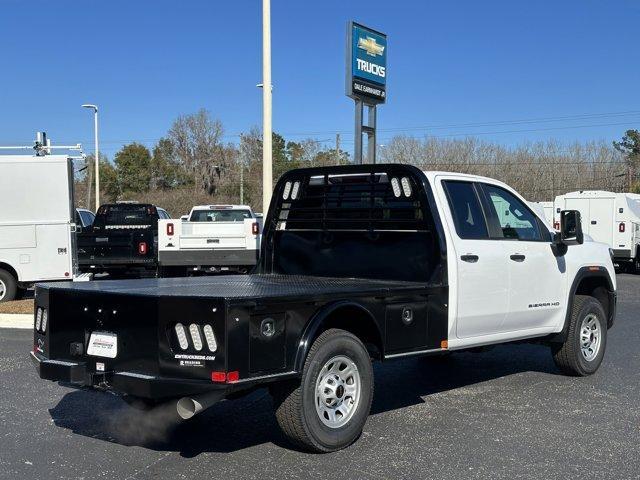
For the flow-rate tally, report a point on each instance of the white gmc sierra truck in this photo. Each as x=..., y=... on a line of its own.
x=358, y=263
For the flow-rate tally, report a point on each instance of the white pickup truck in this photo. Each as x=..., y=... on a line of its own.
x=213, y=238
x=358, y=263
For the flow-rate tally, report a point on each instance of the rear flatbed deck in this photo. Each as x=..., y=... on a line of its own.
x=241, y=286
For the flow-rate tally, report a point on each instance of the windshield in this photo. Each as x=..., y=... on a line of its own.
x=220, y=215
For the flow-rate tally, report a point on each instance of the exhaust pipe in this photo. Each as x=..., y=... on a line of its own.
x=188, y=407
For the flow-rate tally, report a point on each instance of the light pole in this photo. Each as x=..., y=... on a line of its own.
x=267, y=167
x=97, y=153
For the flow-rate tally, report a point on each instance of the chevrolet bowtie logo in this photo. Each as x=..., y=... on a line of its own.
x=370, y=46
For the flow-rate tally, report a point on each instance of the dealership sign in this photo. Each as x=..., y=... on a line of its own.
x=366, y=64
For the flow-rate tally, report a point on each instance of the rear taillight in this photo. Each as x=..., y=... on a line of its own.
x=170, y=229
x=222, y=377
x=42, y=318
x=621, y=228
x=142, y=248
x=255, y=228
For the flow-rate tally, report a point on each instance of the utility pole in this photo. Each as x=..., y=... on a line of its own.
x=337, y=149
x=242, y=183
x=97, y=153
x=267, y=166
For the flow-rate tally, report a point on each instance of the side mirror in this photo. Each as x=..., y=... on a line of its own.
x=571, y=228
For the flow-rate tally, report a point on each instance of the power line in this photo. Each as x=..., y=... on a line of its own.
x=587, y=116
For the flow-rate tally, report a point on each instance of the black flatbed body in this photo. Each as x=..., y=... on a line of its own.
x=243, y=287
x=348, y=254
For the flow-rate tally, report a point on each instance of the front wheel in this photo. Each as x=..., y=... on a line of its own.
x=328, y=409
x=583, y=349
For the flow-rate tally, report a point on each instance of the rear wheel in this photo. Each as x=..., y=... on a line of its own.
x=8, y=286
x=328, y=409
x=583, y=349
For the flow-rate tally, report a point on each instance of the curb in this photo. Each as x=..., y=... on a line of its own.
x=13, y=320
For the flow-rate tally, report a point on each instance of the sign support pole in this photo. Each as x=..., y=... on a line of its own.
x=371, y=134
x=369, y=129
x=358, y=135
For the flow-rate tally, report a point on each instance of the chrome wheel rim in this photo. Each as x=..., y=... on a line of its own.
x=590, y=337
x=3, y=289
x=338, y=390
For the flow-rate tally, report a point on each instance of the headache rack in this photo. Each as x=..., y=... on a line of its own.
x=366, y=201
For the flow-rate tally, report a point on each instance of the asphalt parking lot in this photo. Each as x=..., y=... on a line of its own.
x=506, y=413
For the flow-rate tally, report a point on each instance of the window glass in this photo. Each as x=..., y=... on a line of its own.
x=466, y=210
x=516, y=220
x=125, y=214
x=87, y=218
x=220, y=215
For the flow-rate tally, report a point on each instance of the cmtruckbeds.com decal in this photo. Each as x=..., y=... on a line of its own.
x=194, y=357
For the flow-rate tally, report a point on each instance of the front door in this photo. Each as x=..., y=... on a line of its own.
x=537, y=278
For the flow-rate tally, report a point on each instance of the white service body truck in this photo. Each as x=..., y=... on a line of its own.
x=607, y=217
x=544, y=210
x=37, y=226
x=213, y=238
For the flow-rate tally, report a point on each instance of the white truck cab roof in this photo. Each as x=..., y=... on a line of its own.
x=221, y=207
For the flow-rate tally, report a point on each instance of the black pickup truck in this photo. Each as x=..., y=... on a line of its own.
x=358, y=263
x=122, y=239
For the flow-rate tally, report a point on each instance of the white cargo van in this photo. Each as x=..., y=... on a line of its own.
x=607, y=217
x=37, y=239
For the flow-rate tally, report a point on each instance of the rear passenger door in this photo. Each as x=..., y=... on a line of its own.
x=482, y=267
x=537, y=278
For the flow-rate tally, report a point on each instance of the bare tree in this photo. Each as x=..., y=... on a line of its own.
x=197, y=139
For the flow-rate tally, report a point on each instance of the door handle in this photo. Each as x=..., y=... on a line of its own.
x=469, y=258
x=518, y=257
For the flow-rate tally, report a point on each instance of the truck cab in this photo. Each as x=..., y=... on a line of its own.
x=358, y=264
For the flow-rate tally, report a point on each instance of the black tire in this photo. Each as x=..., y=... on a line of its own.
x=296, y=404
x=569, y=356
x=8, y=286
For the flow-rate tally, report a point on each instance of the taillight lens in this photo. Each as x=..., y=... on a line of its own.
x=45, y=320
x=195, y=336
x=182, y=336
x=142, y=248
x=255, y=228
x=210, y=338
x=621, y=228
x=169, y=228
x=38, y=319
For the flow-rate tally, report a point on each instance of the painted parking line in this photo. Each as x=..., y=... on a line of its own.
x=10, y=320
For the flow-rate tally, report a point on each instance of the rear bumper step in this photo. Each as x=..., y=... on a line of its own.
x=208, y=257
x=129, y=383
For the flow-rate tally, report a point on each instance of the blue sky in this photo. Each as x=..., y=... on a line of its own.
x=450, y=64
